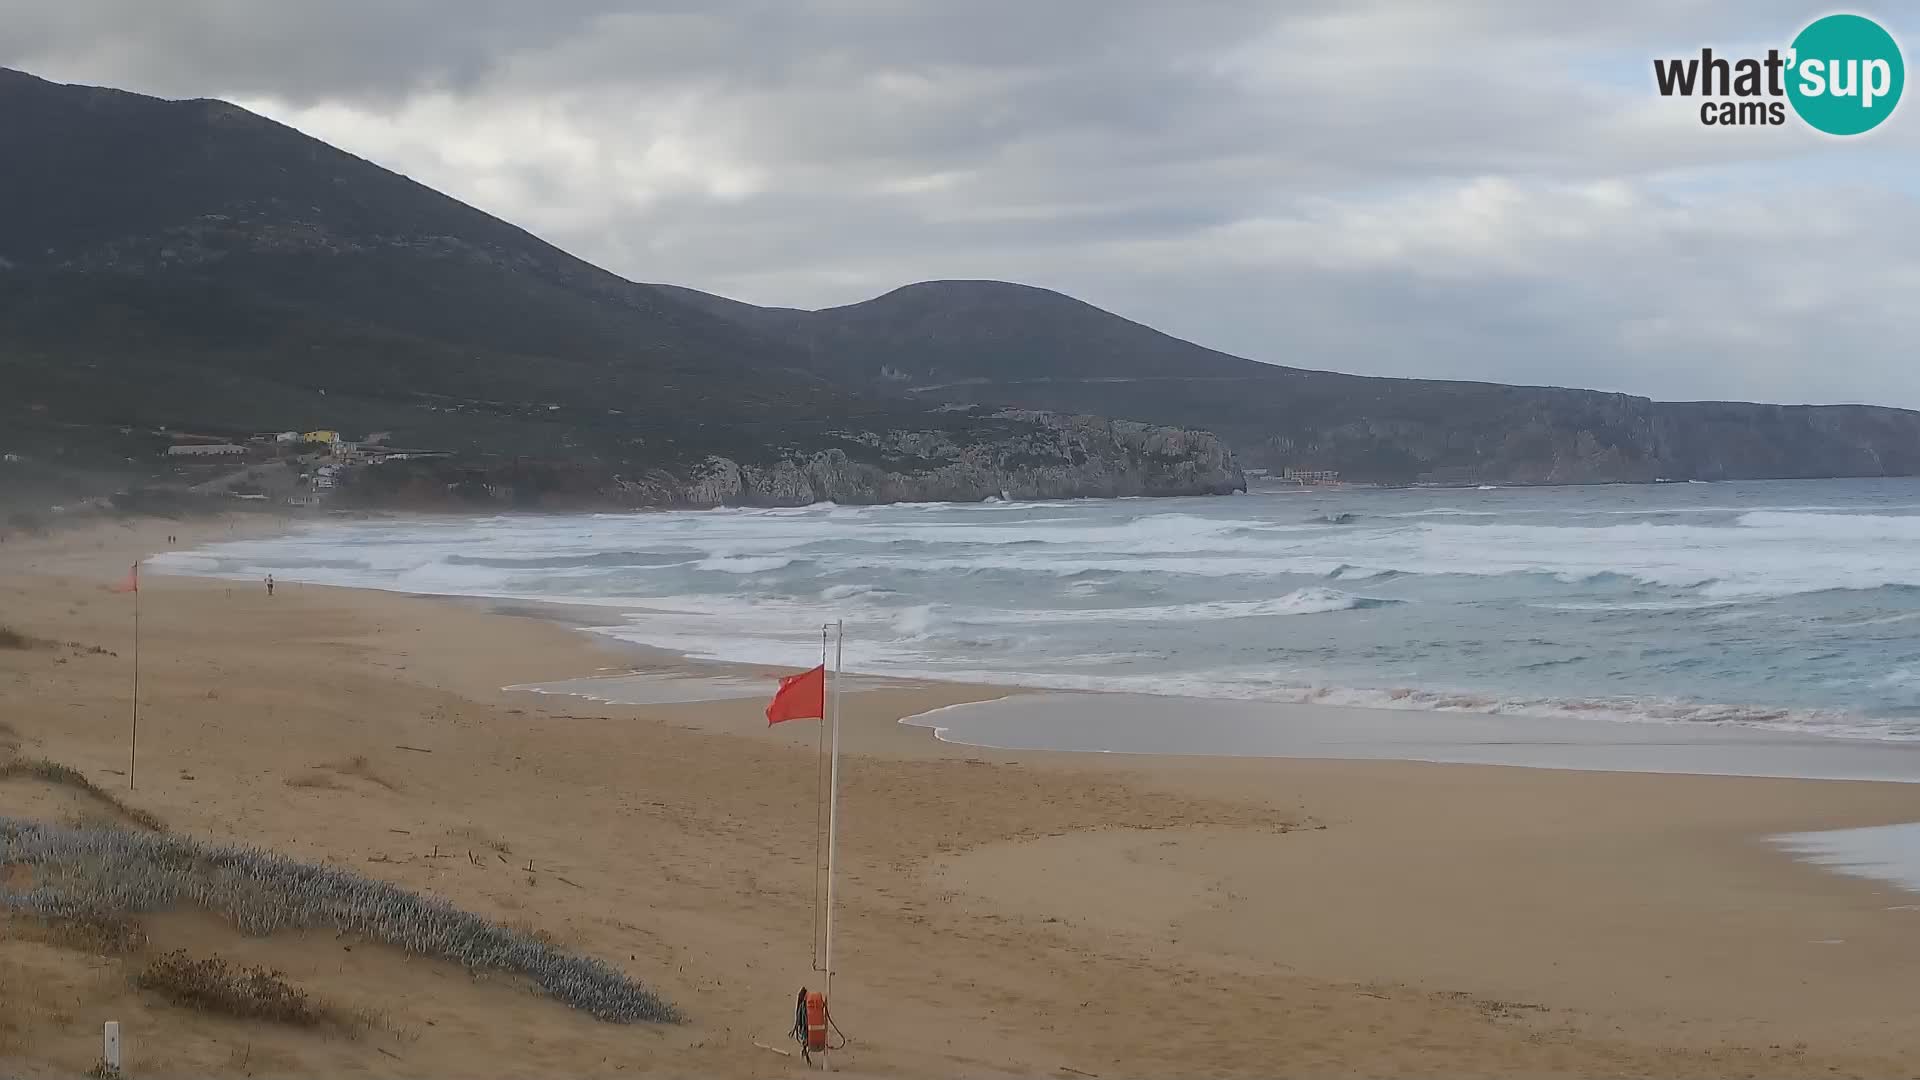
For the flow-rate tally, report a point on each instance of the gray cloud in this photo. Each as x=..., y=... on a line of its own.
x=1481, y=190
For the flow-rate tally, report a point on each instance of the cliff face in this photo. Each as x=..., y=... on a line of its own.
x=1729, y=440
x=1544, y=435
x=1036, y=456
x=1000, y=344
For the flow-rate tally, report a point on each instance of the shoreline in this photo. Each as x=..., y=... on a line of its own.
x=1521, y=721
x=1010, y=912
x=1126, y=724
x=724, y=606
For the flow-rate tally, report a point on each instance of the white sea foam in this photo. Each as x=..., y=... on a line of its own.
x=745, y=564
x=1312, y=600
x=914, y=622
x=1889, y=853
x=1636, y=605
x=1768, y=553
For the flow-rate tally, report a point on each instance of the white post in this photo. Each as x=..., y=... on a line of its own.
x=133, y=730
x=833, y=815
x=110, y=1045
x=819, y=835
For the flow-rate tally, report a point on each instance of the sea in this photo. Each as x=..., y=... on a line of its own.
x=1786, y=606
x=1756, y=629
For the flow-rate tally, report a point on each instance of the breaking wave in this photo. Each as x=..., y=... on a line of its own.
x=1660, y=603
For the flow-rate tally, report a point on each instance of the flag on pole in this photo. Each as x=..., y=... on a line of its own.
x=800, y=697
x=132, y=582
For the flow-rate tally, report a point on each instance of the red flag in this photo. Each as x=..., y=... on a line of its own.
x=131, y=584
x=800, y=697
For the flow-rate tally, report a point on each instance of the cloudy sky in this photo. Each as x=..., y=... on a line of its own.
x=1486, y=189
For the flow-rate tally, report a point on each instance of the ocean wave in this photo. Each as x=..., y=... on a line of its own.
x=1451, y=511
x=644, y=559
x=1312, y=600
x=1767, y=554
x=1839, y=526
x=1635, y=605
x=1804, y=605
x=914, y=622
x=745, y=564
x=1350, y=572
x=1878, y=620
x=849, y=592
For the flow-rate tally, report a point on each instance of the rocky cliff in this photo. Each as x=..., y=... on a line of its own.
x=1034, y=455
x=1001, y=344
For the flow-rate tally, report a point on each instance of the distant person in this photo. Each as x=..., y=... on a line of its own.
x=269, y=584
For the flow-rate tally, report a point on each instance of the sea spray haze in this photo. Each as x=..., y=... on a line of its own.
x=1778, y=604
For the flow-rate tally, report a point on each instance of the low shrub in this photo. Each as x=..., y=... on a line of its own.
x=213, y=985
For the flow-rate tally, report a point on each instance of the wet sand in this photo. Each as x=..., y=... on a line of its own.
x=1007, y=912
x=1135, y=724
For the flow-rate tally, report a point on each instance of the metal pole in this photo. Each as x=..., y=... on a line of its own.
x=819, y=808
x=133, y=742
x=833, y=811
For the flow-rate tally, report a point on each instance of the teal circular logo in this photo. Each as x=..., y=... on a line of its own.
x=1845, y=74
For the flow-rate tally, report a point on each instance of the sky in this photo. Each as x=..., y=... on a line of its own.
x=1486, y=189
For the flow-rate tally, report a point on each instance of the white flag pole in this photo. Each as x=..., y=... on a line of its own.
x=133, y=724
x=833, y=812
x=819, y=808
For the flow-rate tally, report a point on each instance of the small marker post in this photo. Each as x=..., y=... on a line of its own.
x=110, y=1045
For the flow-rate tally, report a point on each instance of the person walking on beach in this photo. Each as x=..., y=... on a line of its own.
x=269, y=584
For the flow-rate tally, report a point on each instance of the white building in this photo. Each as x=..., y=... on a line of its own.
x=205, y=450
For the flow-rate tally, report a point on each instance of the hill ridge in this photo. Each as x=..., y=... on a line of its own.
x=171, y=263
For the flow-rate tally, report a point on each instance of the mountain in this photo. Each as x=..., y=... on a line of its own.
x=1003, y=344
x=189, y=265
x=261, y=267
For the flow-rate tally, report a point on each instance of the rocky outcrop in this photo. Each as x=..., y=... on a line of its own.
x=1060, y=457
x=1032, y=455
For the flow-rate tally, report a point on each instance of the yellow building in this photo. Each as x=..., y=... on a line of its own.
x=322, y=436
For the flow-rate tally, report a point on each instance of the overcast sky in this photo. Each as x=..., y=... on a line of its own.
x=1486, y=189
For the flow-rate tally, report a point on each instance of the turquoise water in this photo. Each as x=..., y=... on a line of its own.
x=1785, y=605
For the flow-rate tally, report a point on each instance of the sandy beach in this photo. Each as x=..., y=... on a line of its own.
x=1018, y=913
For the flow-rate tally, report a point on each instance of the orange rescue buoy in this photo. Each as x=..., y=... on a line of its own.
x=816, y=1021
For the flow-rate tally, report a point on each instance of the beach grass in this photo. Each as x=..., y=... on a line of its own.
x=55, y=773
x=96, y=873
